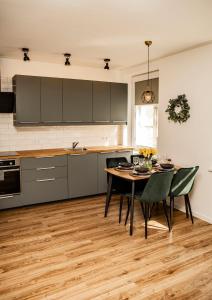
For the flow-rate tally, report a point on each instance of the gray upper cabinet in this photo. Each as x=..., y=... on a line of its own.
x=51, y=99
x=118, y=102
x=77, y=100
x=82, y=175
x=101, y=101
x=28, y=105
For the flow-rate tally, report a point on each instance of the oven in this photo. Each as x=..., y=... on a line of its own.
x=9, y=177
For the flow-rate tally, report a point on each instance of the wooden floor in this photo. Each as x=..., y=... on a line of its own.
x=68, y=250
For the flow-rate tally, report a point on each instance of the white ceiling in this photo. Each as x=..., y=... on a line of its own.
x=94, y=29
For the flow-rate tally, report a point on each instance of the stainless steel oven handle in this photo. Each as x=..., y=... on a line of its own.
x=47, y=168
x=43, y=180
x=5, y=197
x=10, y=170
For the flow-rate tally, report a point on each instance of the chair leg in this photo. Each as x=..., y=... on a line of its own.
x=186, y=207
x=189, y=208
x=171, y=211
x=128, y=210
x=142, y=209
x=120, y=208
x=166, y=214
x=150, y=210
x=146, y=218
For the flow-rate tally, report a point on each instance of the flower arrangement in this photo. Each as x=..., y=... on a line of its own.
x=147, y=152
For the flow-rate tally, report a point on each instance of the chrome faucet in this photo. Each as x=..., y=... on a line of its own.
x=74, y=144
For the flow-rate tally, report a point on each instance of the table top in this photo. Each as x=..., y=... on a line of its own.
x=126, y=174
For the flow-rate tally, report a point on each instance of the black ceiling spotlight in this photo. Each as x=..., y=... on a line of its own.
x=67, y=57
x=106, y=67
x=26, y=51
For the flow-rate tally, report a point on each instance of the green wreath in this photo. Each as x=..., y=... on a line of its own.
x=178, y=109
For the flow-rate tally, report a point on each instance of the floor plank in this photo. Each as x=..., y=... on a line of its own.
x=68, y=250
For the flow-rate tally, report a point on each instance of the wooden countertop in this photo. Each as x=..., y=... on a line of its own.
x=63, y=151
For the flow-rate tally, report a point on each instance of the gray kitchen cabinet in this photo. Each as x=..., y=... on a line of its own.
x=77, y=100
x=28, y=104
x=82, y=175
x=44, y=179
x=44, y=190
x=102, y=176
x=51, y=99
x=9, y=201
x=101, y=101
x=118, y=102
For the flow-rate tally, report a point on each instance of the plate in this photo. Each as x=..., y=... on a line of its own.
x=134, y=173
x=123, y=169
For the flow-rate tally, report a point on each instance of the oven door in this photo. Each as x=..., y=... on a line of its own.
x=9, y=180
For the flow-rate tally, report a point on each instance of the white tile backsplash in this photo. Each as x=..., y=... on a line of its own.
x=26, y=138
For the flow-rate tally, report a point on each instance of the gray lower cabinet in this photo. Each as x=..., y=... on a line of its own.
x=82, y=175
x=27, y=91
x=44, y=179
x=118, y=102
x=51, y=100
x=102, y=176
x=101, y=101
x=77, y=100
x=10, y=201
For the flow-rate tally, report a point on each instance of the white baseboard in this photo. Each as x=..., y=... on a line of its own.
x=195, y=214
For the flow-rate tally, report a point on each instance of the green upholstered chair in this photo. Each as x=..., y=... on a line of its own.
x=156, y=190
x=181, y=185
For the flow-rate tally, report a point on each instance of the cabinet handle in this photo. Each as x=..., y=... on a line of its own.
x=101, y=121
x=44, y=156
x=28, y=122
x=123, y=151
x=5, y=197
x=48, y=179
x=77, y=154
x=74, y=121
x=104, y=152
x=47, y=168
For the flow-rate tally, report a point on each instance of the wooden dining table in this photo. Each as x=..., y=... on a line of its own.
x=125, y=175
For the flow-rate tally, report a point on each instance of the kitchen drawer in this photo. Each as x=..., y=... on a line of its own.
x=10, y=201
x=43, y=162
x=44, y=191
x=44, y=173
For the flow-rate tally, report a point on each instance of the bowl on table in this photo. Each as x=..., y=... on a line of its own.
x=141, y=170
x=125, y=166
x=167, y=166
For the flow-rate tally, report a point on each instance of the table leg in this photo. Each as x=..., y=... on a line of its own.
x=132, y=208
x=109, y=192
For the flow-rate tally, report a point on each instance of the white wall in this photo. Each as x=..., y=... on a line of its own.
x=190, y=143
x=12, y=138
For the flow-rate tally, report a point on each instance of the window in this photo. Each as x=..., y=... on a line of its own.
x=146, y=131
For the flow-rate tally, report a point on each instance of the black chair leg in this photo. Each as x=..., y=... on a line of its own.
x=189, y=207
x=128, y=210
x=120, y=208
x=186, y=208
x=146, y=217
x=142, y=209
x=171, y=211
x=166, y=213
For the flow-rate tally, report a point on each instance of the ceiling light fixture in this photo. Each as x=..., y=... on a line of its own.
x=67, y=57
x=106, y=67
x=26, y=56
x=148, y=95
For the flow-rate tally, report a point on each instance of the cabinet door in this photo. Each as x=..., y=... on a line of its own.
x=118, y=102
x=10, y=201
x=102, y=175
x=77, y=100
x=101, y=101
x=82, y=175
x=27, y=90
x=51, y=99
